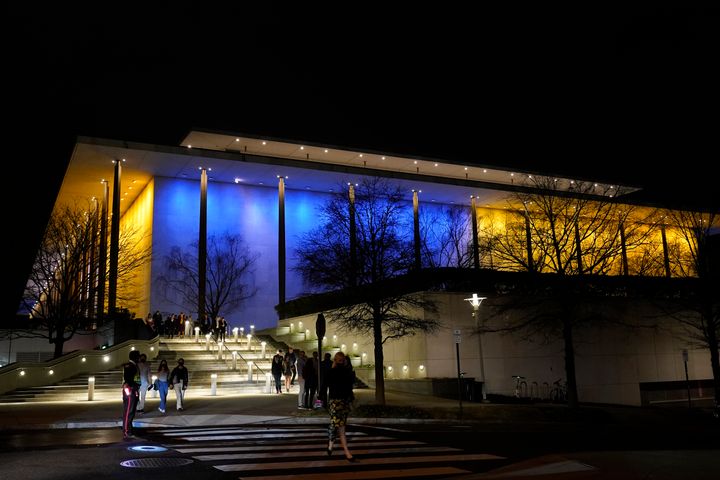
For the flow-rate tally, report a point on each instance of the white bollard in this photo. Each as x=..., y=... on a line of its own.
x=263, y=344
x=252, y=329
x=91, y=388
x=220, y=351
x=213, y=384
x=300, y=326
x=242, y=332
x=154, y=392
x=235, y=333
x=268, y=383
x=250, y=371
x=249, y=336
x=234, y=360
x=207, y=342
x=197, y=334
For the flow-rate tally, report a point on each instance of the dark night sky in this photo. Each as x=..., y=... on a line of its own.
x=628, y=96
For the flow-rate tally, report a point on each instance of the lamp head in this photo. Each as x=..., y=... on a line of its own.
x=475, y=301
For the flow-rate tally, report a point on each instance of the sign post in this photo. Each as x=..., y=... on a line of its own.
x=687, y=378
x=458, y=334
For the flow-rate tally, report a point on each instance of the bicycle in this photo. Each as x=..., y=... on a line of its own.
x=520, y=386
x=558, y=394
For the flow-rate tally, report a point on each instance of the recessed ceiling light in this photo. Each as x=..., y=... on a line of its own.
x=302, y=148
x=326, y=150
x=415, y=162
x=361, y=155
x=383, y=158
x=189, y=146
x=484, y=170
x=436, y=164
x=237, y=139
x=264, y=142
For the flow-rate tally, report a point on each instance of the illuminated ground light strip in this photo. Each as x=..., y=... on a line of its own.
x=148, y=448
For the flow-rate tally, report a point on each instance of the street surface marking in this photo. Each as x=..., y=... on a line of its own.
x=318, y=452
x=250, y=467
x=369, y=474
x=309, y=447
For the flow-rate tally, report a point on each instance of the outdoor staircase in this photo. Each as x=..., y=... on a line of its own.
x=200, y=362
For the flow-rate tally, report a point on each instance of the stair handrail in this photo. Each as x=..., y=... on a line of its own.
x=258, y=370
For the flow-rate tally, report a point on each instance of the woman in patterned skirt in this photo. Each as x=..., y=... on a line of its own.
x=341, y=378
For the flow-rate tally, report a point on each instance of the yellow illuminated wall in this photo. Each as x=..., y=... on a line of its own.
x=136, y=232
x=643, y=239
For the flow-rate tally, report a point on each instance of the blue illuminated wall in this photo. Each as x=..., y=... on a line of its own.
x=250, y=211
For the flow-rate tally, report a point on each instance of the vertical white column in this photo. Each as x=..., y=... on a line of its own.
x=213, y=384
x=91, y=388
x=263, y=344
x=197, y=334
x=250, y=370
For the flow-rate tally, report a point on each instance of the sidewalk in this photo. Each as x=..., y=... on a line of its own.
x=282, y=409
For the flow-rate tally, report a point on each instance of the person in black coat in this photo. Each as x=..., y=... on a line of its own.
x=340, y=381
x=130, y=392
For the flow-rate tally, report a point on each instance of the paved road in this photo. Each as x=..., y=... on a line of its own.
x=48, y=441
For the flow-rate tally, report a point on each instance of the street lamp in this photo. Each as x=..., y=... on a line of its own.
x=475, y=302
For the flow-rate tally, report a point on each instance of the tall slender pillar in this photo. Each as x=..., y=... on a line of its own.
x=475, y=240
x=281, y=242
x=92, y=279
x=102, y=254
x=528, y=243
x=416, y=230
x=578, y=248
x=623, y=250
x=353, y=234
x=666, y=253
x=114, y=239
x=202, y=247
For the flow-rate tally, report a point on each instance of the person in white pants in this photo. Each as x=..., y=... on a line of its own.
x=179, y=382
x=144, y=368
x=188, y=326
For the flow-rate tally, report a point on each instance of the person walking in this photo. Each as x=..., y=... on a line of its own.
x=179, y=382
x=325, y=366
x=145, y=383
x=163, y=374
x=340, y=381
x=310, y=374
x=299, y=366
x=277, y=370
x=130, y=387
x=222, y=329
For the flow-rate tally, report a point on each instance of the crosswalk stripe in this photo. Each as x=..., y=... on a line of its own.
x=282, y=436
x=276, y=454
x=309, y=447
x=212, y=431
x=369, y=474
x=275, y=442
x=250, y=467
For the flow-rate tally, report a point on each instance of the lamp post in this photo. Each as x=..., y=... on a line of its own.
x=475, y=302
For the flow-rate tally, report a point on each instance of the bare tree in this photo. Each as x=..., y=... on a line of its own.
x=446, y=237
x=698, y=314
x=60, y=292
x=375, y=305
x=229, y=263
x=574, y=230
